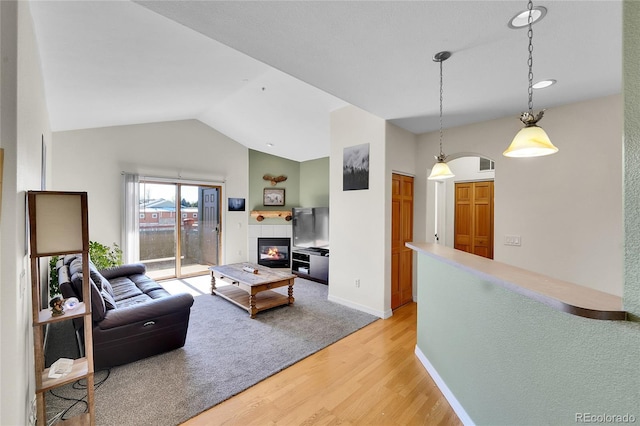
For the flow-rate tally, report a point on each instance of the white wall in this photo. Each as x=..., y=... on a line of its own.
x=92, y=160
x=401, y=158
x=401, y=151
x=358, y=218
x=23, y=122
x=567, y=207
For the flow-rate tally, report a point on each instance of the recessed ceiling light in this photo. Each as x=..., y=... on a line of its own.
x=521, y=20
x=544, y=83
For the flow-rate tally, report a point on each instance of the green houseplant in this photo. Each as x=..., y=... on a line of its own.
x=101, y=255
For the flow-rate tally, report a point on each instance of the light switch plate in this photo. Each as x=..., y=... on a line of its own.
x=512, y=240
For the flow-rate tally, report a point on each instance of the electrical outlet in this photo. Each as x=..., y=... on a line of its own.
x=357, y=283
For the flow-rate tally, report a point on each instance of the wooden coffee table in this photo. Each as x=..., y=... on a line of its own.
x=251, y=291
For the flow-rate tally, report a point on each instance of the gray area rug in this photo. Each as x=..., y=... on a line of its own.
x=226, y=352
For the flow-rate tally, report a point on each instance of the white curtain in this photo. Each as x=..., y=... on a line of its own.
x=130, y=216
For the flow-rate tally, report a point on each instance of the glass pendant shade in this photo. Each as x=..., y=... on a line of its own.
x=440, y=171
x=530, y=141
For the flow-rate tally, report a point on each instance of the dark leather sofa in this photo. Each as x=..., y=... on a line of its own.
x=133, y=316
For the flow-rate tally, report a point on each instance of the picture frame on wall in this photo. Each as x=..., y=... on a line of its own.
x=236, y=204
x=355, y=167
x=273, y=197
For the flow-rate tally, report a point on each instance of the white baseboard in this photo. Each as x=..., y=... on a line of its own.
x=350, y=304
x=457, y=407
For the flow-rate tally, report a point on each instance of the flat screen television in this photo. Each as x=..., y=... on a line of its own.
x=311, y=227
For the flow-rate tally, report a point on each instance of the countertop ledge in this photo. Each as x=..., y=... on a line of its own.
x=561, y=295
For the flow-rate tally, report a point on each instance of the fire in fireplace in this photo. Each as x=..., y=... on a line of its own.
x=274, y=252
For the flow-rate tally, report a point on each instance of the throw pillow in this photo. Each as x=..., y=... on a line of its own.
x=101, y=282
x=98, y=309
x=109, y=303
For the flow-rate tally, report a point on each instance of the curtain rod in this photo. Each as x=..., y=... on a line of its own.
x=178, y=179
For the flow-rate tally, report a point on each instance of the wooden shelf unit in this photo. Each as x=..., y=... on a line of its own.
x=44, y=316
x=45, y=207
x=79, y=370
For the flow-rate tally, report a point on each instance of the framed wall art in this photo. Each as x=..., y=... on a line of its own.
x=273, y=197
x=355, y=167
x=236, y=204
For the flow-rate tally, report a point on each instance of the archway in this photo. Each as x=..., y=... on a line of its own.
x=467, y=167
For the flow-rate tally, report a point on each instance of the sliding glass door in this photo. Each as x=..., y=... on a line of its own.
x=199, y=229
x=179, y=228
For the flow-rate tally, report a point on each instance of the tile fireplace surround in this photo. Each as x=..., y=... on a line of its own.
x=265, y=231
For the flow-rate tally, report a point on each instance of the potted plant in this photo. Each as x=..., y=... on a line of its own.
x=101, y=255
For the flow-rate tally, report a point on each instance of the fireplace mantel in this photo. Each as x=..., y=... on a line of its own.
x=260, y=215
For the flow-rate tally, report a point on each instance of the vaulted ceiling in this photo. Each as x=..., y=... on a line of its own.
x=270, y=72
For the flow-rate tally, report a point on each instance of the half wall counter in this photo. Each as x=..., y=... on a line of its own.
x=558, y=294
x=510, y=346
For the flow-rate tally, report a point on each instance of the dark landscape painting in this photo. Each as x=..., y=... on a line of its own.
x=355, y=167
x=236, y=204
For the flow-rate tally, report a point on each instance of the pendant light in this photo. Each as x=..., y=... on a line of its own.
x=532, y=140
x=441, y=170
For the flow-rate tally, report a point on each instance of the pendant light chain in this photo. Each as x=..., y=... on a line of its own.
x=531, y=140
x=530, y=61
x=441, y=153
x=441, y=170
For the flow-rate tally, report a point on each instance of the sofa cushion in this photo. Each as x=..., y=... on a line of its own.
x=124, y=270
x=124, y=288
x=144, y=283
x=158, y=293
x=136, y=300
x=63, y=274
x=67, y=259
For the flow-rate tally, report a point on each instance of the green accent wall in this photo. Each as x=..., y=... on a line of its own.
x=631, y=176
x=314, y=183
x=261, y=164
x=307, y=183
x=510, y=360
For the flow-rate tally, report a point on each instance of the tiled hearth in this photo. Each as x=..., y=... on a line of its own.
x=262, y=231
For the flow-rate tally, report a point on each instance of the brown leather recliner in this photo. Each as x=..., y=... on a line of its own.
x=133, y=316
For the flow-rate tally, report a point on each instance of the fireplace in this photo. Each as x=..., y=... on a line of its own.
x=274, y=252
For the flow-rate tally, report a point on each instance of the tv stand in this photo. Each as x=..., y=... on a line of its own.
x=311, y=263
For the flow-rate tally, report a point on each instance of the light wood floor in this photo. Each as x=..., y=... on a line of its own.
x=371, y=377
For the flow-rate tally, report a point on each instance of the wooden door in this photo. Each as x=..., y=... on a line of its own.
x=401, y=232
x=474, y=218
